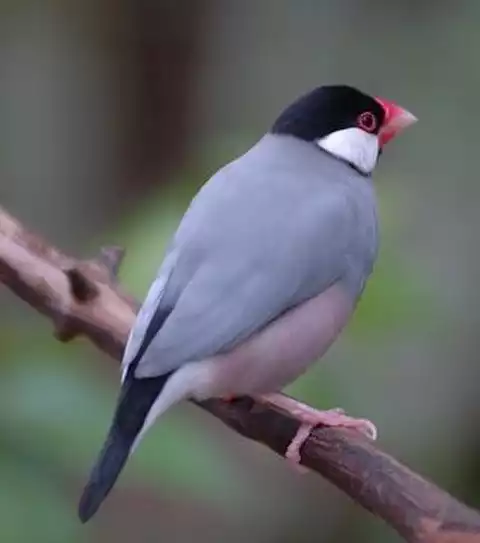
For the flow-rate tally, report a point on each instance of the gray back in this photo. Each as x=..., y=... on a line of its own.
x=271, y=229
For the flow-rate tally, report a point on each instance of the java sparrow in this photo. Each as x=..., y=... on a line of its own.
x=263, y=272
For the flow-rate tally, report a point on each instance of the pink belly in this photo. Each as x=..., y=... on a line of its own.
x=282, y=351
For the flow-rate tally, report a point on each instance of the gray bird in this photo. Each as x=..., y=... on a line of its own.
x=264, y=271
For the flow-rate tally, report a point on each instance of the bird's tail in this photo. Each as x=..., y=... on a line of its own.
x=137, y=398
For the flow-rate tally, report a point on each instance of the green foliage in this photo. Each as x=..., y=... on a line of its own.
x=394, y=300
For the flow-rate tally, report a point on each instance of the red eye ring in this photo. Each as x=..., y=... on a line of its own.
x=367, y=121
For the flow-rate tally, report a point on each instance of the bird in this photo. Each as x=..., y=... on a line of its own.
x=263, y=273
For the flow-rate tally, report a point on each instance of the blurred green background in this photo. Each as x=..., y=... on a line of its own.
x=112, y=114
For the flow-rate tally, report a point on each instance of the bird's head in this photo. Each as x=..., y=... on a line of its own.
x=345, y=122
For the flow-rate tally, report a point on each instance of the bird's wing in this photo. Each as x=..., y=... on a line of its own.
x=239, y=284
x=150, y=317
x=213, y=316
x=259, y=238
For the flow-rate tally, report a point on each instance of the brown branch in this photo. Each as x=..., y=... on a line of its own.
x=82, y=297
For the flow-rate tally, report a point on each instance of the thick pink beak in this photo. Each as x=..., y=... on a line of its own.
x=396, y=120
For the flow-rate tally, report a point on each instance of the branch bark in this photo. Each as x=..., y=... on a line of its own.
x=82, y=297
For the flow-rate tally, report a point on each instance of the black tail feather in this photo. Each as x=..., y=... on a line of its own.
x=104, y=475
x=136, y=399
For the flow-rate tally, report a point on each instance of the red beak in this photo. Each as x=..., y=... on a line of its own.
x=396, y=120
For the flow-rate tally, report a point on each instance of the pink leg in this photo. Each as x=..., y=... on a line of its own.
x=311, y=417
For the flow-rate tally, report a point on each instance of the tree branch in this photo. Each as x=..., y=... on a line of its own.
x=83, y=298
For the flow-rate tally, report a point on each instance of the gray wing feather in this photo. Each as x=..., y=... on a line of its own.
x=250, y=247
x=150, y=305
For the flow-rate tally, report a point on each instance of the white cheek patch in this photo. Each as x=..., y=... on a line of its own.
x=353, y=145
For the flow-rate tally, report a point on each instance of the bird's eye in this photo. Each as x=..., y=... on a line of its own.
x=367, y=121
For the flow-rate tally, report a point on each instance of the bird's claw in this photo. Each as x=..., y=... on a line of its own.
x=334, y=418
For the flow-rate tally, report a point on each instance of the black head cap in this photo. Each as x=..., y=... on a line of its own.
x=328, y=109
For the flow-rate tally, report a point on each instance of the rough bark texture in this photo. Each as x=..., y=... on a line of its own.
x=83, y=298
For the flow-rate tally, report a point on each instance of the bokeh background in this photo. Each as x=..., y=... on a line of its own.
x=112, y=114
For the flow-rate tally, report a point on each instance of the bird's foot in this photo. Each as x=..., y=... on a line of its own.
x=332, y=417
x=311, y=417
